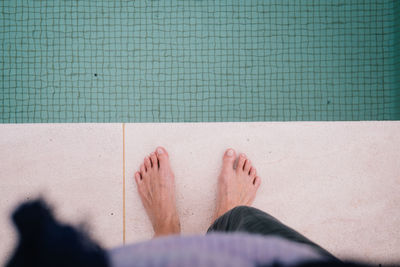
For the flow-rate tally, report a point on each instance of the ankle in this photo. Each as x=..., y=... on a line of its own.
x=170, y=226
x=171, y=230
x=217, y=214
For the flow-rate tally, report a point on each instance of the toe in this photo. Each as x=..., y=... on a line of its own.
x=162, y=156
x=154, y=161
x=229, y=159
x=147, y=163
x=241, y=161
x=253, y=172
x=247, y=166
x=257, y=181
x=139, y=183
x=138, y=178
x=142, y=169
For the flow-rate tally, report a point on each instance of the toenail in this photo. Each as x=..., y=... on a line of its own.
x=243, y=155
x=229, y=153
x=160, y=151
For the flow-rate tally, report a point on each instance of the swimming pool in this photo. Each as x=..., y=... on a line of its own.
x=199, y=61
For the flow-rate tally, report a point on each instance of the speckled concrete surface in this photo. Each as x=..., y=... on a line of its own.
x=336, y=182
x=76, y=167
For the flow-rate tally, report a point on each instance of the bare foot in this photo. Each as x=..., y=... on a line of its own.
x=236, y=187
x=156, y=186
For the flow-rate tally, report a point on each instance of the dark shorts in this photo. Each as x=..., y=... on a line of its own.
x=254, y=221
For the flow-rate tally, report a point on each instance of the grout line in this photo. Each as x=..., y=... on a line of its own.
x=123, y=183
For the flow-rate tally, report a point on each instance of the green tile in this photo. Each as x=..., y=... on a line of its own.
x=199, y=61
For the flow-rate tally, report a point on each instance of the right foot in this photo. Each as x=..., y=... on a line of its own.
x=156, y=186
x=236, y=186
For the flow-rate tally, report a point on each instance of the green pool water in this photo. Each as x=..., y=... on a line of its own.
x=199, y=61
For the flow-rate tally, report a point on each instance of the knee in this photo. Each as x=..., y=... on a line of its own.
x=237, y=214
x=233, y=214
x=241, y=210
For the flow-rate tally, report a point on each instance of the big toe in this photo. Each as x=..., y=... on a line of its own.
x=163, y=157
x=228, y=159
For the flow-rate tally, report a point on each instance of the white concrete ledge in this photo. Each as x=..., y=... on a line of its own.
x=338, y=183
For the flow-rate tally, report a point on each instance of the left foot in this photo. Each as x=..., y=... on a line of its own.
x=156, y=186
x=236, y=187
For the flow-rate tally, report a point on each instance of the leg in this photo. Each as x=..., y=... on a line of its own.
x=156, y=187
x=254, y=221
x=237, y=188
